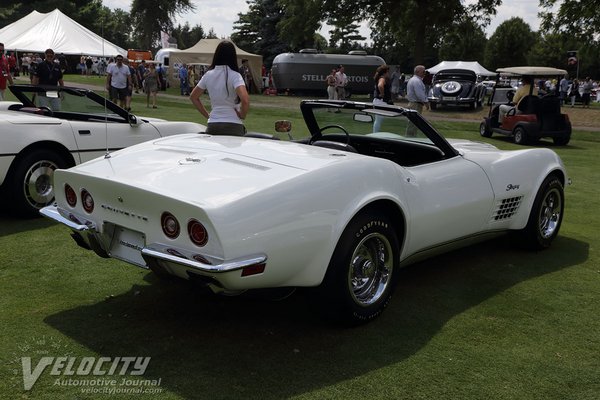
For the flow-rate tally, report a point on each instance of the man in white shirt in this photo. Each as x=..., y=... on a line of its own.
x=341, y=80
x=118, y=80
x=416, y=93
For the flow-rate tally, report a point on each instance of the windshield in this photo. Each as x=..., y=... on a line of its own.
x=372, y=122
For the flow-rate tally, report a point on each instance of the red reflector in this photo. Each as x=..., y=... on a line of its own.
x=197, y=232
x=253, y=269
x=87, y=201
x=70, y=195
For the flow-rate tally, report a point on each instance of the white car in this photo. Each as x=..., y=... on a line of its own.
x=35, y=140
x=339, y=212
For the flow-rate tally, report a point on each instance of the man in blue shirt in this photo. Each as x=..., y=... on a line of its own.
x=184, y=84
x=416, y=93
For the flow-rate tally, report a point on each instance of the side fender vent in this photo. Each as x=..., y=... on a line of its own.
x=506, y=208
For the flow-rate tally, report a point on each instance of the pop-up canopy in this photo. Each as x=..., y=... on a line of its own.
x=37, y=32
x=469, y=65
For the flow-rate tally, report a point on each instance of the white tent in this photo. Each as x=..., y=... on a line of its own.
x=203, y=51
x=37, y=32
x=469, y=65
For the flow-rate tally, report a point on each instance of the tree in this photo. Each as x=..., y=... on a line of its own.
x=186, y=36
x=301, y=19
x=256, y=31
x=413, y=21
x=465, y=41
x=510, y=44
x=577, y=18
x=149, y=18
x=344, y=36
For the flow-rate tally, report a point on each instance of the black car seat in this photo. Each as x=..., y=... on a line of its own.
x=335, y=145
x=549, y=114
x=529, y=104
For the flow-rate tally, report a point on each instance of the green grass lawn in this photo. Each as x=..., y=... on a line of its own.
x=486, y=322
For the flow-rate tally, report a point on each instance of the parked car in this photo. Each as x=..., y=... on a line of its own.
x=456, y=87
x=534, y=117
x=35, y=140
x=339, y=211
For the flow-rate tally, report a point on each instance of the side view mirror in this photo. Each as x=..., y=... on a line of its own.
x=359, y=117
x=283, y=126
x=133, y=121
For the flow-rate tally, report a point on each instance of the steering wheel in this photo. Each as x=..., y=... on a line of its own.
x=330, y=127
x=47, y=111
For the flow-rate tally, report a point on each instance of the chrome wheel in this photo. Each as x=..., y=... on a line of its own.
x=38, y=184
x=550, y=213
x=370, y=269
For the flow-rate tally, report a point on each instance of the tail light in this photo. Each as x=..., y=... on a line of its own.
x=70, y=195
x=87, y=201
x=170, y=225
x=197, y=232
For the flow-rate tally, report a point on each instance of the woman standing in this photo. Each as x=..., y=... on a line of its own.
x=152, y=82
x=382, y=94
x=227, y=92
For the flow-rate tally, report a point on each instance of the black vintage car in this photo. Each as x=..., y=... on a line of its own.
x=456, y=87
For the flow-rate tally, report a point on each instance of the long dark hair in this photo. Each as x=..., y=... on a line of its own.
x=381, y=71
x=225, y=55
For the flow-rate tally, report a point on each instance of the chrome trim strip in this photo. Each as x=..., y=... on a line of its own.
x=53, y=213
x=226, y=266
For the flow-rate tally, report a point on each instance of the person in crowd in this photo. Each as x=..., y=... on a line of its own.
x=62, y=61
x=25, y=63
x=416, y=93
x=574, y=91
x=133, y=77
x=521, y=92
x=192, y=75
x=48, y=73
x=152, y=84
x=564, y=89
x=81, y=65
x=330, y=80
x=229, y=98
x=184, y=82
x=395, y=78
x=382, y=94
x=247, y=75
x=586, y=92
x=160, y=70
x=4, y=72
x=12, y=64
x=402, y=91
x=341, y=81
x=140, y=72
x=118, y=81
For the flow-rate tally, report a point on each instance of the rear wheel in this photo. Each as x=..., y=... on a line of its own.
x=31, y=184
x=545, y=217
x=562, y=141
x=362, y=272
x=520, y=135
x=484, y=129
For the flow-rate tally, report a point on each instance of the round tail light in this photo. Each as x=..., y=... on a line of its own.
x=70, y=195
x=87, y=201
x=197, y=232
x=170, y=225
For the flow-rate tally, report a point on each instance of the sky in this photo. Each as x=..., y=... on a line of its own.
x=220, y=15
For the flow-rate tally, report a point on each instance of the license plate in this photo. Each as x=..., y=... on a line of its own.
x=448, y=98
x=127, y=245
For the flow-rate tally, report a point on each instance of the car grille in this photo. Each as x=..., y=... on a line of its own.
x=506, y=208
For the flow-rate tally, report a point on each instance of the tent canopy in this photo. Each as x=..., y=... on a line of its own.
x=37, y=32
x=203, y=52
x=470, y=65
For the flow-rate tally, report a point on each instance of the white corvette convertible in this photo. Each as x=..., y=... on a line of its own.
x=373, y=189
x=35, y=140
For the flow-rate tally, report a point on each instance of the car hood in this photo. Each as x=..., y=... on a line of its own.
x=211, y=171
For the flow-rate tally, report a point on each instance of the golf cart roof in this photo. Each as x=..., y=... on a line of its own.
x=531, y=71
